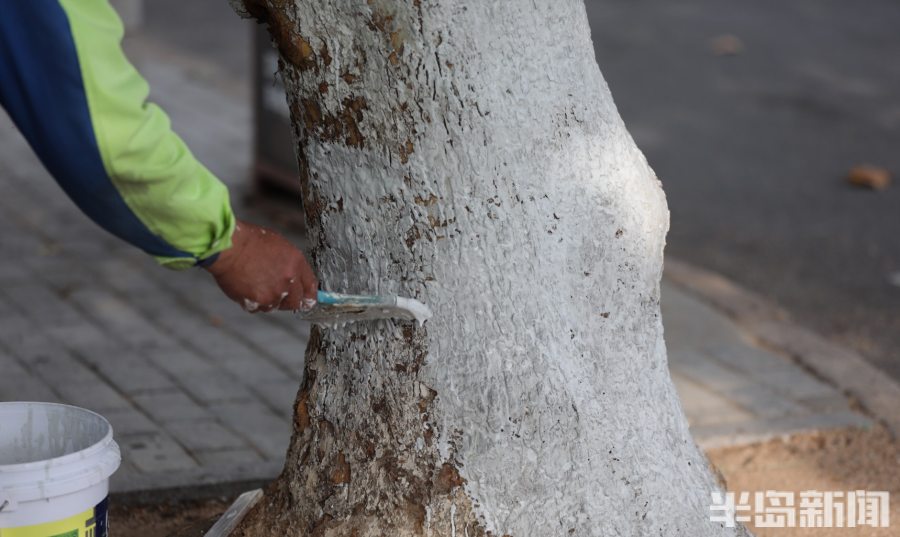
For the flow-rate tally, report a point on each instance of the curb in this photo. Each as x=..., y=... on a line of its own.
x=771, y=327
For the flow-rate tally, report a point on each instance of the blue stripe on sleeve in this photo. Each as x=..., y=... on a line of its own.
x=41, y=89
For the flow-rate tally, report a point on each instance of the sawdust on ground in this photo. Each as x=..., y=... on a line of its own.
x=842, y=460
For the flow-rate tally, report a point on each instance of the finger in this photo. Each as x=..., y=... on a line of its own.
x=294, y=296
x=309, y=296
x=310, y=282
x=309, y=285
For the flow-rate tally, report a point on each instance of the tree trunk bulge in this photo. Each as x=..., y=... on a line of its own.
x=469, y=154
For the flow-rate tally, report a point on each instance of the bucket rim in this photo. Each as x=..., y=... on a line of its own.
x=62, y=460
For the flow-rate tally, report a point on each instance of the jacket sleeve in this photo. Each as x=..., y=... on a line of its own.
x=83, y=107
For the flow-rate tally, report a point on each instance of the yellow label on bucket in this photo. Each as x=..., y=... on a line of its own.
x=91, y=523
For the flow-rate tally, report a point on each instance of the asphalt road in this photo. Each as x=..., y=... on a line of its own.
x=752, y=148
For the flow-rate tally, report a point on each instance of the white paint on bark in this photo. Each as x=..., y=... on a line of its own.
x=524, y=215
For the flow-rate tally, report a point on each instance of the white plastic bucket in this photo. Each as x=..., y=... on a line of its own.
x=55, y=464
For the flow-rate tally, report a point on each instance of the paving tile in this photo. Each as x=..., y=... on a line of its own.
x=180, y=361
x=205, y=435
x=279, y=395
x=796, y=383
x=41, y=303
x=129, y=421
x=708, y=372
x=120, y=318
x=155, y=453
x=228, y=458
x=58, y=366
x=219, y=344
x=96, y=396
x=135, y=375
x=214, y=386
x=171, y=406
x=264, y=429
x=83, y=336
x=690, y=323
x=61, y=274
x=719, y=435
x=252, y=368
x=835, y=402
x=99, y=354
x=11, y=272
x=13, y=329
x=704, y=407
x=10, y=367
x=764, y=402
x=744, y=357
x=287, y=349
x=28, y=388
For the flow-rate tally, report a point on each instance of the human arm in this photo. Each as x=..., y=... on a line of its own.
x=83, y=108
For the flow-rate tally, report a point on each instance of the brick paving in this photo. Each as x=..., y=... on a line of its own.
x=734, y=391
x=200, y=392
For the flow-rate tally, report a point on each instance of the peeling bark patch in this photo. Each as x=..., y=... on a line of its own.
x=340, y=472
x=293, y=48
x=301, y=415
x=426, y=399
x=340, y=127
x=352, y=115
x=301, y=54
x=302, y=420
x=426, y=202
x=406, y=150
x=323, y=53
x=412, y=235
x=312, y=114
x=448, y=479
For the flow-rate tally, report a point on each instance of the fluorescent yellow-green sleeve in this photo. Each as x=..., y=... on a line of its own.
x=67, y=84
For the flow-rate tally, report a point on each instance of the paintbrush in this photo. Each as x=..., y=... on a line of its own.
x=338, y=308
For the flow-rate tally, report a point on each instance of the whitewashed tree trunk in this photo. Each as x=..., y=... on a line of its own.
x=469, y=154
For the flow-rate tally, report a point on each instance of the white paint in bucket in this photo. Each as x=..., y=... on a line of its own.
x=55, y=464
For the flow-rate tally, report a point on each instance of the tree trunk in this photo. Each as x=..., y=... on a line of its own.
x=469, y=154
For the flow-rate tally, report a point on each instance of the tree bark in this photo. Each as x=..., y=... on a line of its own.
x=469, y=154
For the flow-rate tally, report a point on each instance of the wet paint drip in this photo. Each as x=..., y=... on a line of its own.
x=420, y=311
x=250, y=305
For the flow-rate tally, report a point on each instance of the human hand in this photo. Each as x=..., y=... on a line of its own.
x=262, y=271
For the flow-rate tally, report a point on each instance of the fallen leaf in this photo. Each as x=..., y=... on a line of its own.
x=726, y=45
x=869, y=177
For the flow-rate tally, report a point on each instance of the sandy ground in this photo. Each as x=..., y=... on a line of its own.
x=846, y=460
x=183, y=519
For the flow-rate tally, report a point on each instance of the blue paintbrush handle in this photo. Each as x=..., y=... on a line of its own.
x=325, y=297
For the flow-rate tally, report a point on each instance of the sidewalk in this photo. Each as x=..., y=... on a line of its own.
x=735, y=392
x=200, y=392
